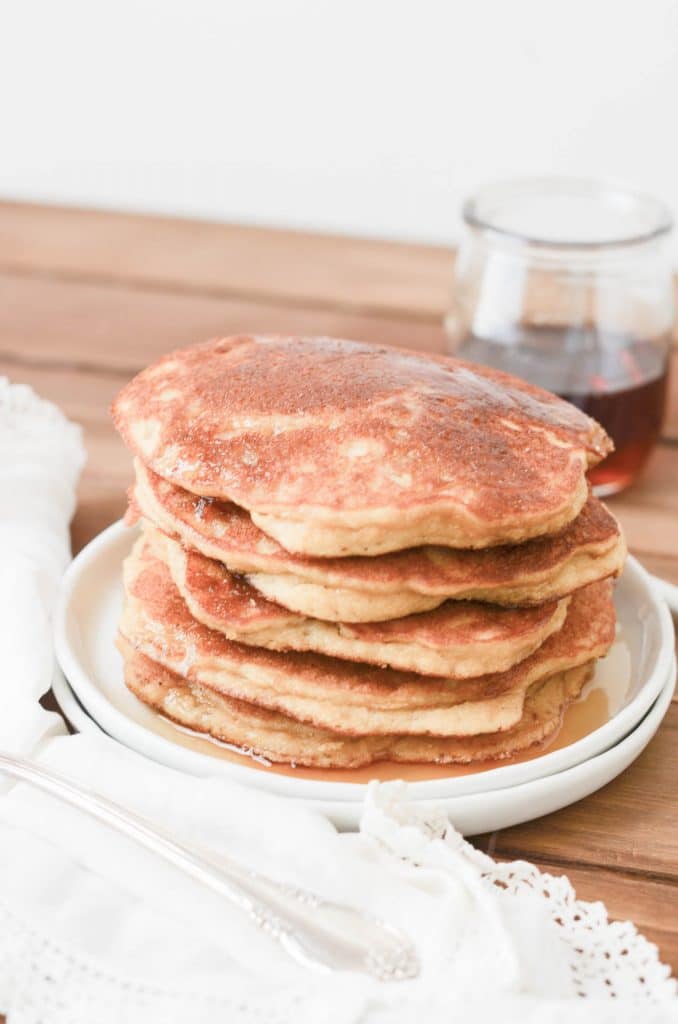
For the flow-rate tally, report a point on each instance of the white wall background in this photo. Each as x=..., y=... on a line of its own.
x=359, y=116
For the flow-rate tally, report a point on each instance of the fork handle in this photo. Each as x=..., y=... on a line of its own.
x=316, y=933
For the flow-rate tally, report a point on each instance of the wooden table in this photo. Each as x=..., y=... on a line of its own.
x=87, y=299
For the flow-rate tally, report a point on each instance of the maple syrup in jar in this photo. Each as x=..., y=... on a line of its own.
x=567, y=284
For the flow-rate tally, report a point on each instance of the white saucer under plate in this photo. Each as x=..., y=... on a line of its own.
x=477, y=812
x=637, y=669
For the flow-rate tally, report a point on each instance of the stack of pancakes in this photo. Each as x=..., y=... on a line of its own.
x=353, y=553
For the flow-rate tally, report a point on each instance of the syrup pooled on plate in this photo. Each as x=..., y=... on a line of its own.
x=581, y=718
x=618, y=379
x=602, y=698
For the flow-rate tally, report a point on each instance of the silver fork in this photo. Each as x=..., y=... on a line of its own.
x=317, y=933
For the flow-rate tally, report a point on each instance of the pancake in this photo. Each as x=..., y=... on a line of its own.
x=347, y=697
x=339, y=448
x=267, y=733
x=460, y=639
x=357, y=589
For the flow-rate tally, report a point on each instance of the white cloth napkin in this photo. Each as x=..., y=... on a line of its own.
x=93, y=929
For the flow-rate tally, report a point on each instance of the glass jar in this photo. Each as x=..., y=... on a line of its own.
x=567, y=283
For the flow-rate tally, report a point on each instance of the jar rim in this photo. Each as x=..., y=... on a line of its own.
x=525, y=211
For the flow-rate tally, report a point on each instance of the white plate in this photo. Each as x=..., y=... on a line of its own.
x=478, y=812
x=633, y=674
x=502, y=808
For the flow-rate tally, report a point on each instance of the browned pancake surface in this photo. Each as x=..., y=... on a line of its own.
x=349, y=434
x=459, y=639
x=510, y=574
x=347, y=697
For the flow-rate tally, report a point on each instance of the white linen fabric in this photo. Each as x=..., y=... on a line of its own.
x=95, y=930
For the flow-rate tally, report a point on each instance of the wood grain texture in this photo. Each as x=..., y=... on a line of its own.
x=84, y=325
x=628, y=826
x=227, y=259
x=86, y=299
x=401, y=285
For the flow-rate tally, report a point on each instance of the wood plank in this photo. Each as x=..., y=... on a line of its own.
x=228, y=259
x=170, y=254
x=178, y=254
x=629, y=825
x=121, y=329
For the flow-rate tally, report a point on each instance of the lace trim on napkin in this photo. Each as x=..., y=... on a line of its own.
x=41, y=980
x=606, y=958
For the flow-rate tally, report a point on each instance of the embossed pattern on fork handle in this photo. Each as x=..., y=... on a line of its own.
x=316, y=933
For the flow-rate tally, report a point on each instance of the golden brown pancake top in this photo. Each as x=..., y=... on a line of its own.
x=339, y=430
